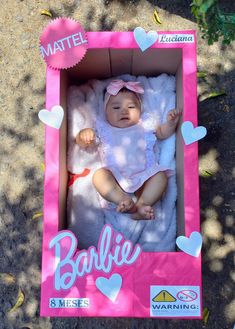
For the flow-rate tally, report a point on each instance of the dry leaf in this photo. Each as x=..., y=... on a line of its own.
x=38, y=214
x=46, y=13
x=201, y=74
x=205, y=315
x=216, y=94
x=156, y=17
x=206, y=173
x=19, y=302
x=7, y=278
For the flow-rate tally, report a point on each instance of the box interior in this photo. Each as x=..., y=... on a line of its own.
x=106, y=63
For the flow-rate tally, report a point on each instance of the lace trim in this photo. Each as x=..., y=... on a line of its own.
x=105, y=137
x=150, y=140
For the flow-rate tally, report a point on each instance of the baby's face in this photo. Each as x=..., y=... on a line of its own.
x=123, y=110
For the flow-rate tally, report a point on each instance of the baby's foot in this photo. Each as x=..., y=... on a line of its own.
x=126, y=205
x=144, y=212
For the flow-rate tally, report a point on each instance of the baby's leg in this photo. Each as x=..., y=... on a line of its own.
x=108, y=187
x=152, y=191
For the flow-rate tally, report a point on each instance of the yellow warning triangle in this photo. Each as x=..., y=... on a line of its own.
x=164, y=296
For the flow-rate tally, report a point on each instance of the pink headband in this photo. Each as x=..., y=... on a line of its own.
x=116, y=85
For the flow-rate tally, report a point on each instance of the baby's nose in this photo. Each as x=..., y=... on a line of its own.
x=124, y=109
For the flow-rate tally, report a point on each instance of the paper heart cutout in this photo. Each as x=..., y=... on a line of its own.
x=143, y=39
x=191, y=134
x=52, y=118
x=110, y=287
x=191, y=245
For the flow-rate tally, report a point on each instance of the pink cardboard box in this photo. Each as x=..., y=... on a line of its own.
x=139, y=284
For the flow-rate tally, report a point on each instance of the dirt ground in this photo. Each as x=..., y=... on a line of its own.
x=22, y=95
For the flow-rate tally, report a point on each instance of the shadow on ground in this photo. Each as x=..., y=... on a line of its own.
x=217, y=202
x=21, y=235
x=177, y=7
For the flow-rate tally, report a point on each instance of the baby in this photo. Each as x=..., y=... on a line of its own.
x=127, y=152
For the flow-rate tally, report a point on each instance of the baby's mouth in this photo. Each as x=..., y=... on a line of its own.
x=124, y=118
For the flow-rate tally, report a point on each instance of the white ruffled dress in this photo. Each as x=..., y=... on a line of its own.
x=129, y=153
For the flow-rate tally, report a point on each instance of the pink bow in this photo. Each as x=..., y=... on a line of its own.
x=116, y=85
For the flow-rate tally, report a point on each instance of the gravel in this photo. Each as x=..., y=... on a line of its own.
x=21, y=149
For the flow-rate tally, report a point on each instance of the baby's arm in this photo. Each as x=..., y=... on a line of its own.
x=85, y=137
x=167, y=129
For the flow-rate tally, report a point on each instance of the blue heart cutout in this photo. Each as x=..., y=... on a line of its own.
x=143, y=39
x=110, y=287
x=191, y=134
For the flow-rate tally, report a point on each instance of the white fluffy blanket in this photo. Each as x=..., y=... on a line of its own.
x=85, y=217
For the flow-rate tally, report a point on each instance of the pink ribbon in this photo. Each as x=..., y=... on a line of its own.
x=116, y=85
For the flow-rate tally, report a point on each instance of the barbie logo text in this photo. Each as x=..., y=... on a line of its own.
x=69, y=264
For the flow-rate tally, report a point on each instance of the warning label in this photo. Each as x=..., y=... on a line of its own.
x=175, y=301
x=164, y=296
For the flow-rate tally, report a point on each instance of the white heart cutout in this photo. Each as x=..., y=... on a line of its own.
x=110, y=287
x=52, y=118
x=191, y=245
x=143, y=39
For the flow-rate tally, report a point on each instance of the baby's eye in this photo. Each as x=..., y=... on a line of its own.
x=131, y=106
x=116, y=107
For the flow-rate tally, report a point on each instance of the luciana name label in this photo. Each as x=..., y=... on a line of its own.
x=176, y=38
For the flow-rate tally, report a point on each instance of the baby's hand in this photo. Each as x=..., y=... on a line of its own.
x=173, y=116
x=85, y=137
